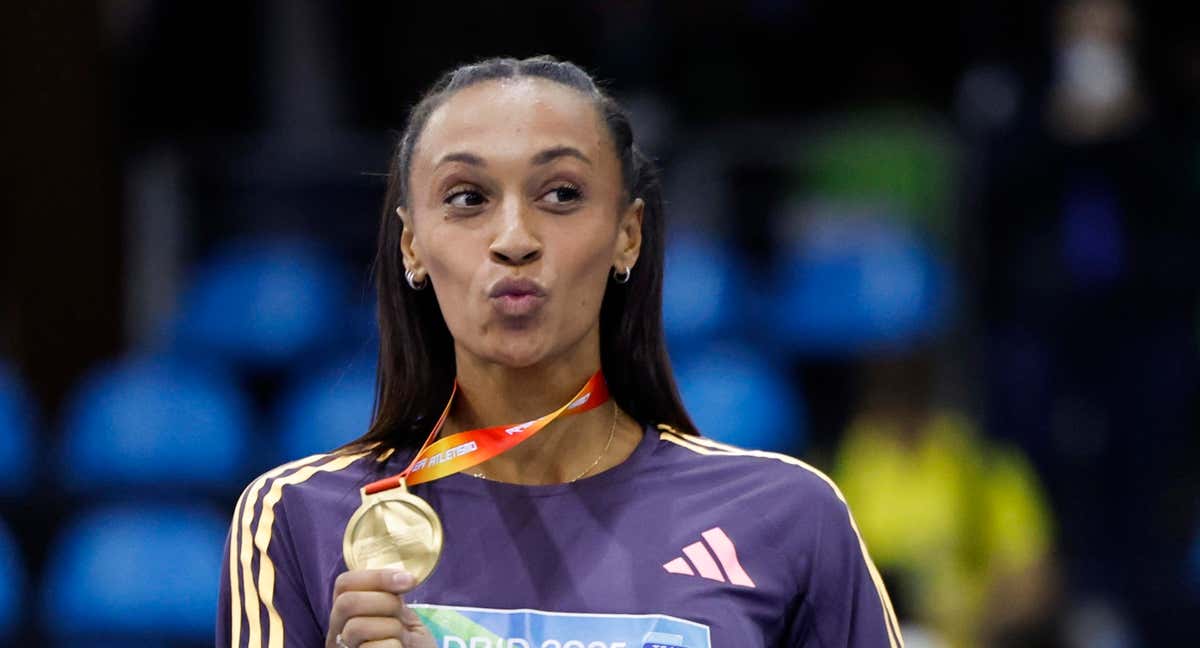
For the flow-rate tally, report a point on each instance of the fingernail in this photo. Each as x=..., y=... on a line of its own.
x=401, y=579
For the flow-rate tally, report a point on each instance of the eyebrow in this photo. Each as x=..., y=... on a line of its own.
x=539, y=159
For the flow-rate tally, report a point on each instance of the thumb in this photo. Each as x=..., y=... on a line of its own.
x=398, y=581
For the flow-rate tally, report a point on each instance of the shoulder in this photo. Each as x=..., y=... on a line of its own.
x=341, y=465
x=763, y=471
x=311, y=481
x=285, y=541
x=289, y=510
x=834, y=570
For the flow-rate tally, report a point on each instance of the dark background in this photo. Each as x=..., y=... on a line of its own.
x=143, y=136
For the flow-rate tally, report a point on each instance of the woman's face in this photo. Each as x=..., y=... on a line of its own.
x=516, y=215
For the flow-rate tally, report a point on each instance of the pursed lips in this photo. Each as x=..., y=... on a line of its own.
x=517, y=296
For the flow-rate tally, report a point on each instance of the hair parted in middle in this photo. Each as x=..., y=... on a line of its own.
x=416, y=366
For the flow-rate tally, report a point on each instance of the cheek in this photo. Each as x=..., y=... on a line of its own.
x=452, y=260
x=451, y=250
x=584, y=267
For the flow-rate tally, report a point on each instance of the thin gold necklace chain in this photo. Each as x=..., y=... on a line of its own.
x=612, y=432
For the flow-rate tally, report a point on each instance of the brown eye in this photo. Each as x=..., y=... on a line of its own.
x=464, y=199
x=562, y=194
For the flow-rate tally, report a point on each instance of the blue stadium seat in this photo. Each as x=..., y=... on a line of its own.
x=325, y=411
x=262, y=304
x=738, y=396
x=154, y=423
x=17, y=448
x=134, y=573
x=702, y=289
x=12, y=584
x=857, y=284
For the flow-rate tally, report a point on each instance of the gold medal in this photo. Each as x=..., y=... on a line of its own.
x=394, y=529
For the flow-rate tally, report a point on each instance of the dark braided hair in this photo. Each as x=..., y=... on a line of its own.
x=416, y=353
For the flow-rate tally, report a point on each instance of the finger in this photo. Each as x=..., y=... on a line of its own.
x=384, y=643
x=373, y=580
x=366, y=604
x=411, y=621
x=360, y=630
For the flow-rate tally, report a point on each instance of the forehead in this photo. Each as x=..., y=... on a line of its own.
x=513, y=117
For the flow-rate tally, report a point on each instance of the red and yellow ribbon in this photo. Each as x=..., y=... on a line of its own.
x=457, y=452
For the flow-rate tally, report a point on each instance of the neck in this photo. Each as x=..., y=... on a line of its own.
x=492, y=394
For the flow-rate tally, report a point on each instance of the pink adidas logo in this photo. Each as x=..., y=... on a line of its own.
x=700, y=555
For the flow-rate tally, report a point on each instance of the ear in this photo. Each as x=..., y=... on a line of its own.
x=629, y=237
x=408, y=246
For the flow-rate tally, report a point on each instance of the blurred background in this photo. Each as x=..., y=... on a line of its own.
x=948, y=254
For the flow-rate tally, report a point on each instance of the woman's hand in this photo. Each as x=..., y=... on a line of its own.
x=369, y=612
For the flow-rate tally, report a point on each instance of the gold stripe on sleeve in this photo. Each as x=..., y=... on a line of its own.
x=705, y=446
x=235, y=595
x=242, y=517
x=680, y=440
x=262, y=539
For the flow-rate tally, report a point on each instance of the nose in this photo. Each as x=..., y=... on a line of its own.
x=515, y=244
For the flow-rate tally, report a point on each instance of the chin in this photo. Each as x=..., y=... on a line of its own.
x=517, y=352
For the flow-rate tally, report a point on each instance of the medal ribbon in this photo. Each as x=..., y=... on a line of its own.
x=457, y=452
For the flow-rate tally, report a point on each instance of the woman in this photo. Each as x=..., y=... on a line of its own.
x=520, y=258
